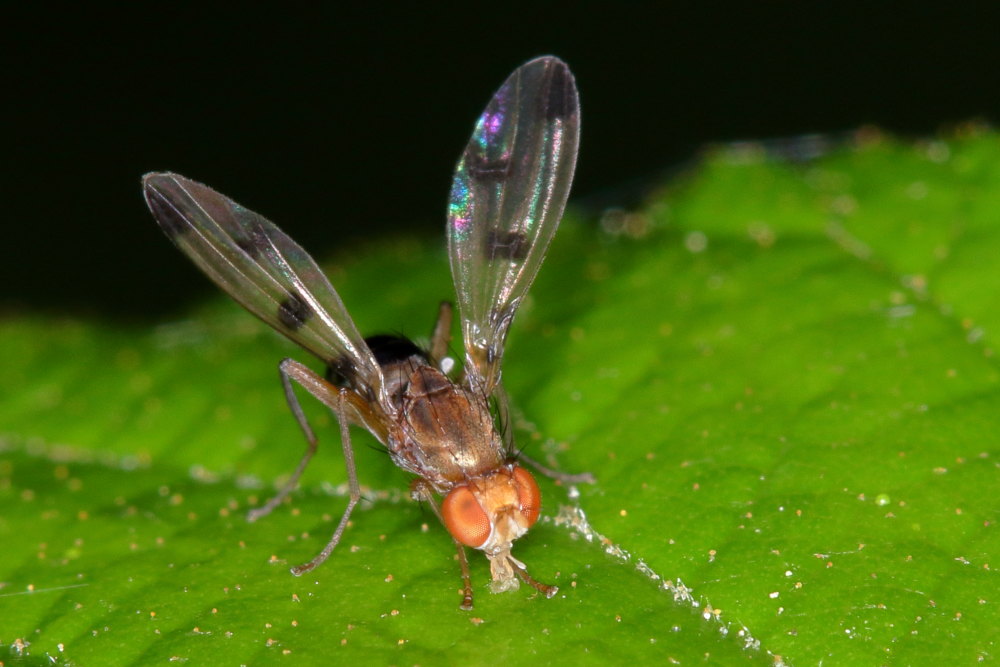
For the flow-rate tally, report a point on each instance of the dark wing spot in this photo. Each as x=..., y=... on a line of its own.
x=486, y=170
x=506, y=245
x=293, y=312
x=253, y=243
x=247, y=246
x=171, y=221
x=341, y=372
x=560, y=102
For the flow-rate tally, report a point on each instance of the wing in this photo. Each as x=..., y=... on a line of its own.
x=263, y=269
x=507, y=198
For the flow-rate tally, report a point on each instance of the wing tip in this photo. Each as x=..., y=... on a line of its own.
x=154, y=178
x=159, y=189
x=560, y=100
x=546, y=60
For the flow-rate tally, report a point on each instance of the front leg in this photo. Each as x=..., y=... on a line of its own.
x=421, y=491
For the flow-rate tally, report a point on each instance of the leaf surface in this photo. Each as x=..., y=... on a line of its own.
x=782, y=374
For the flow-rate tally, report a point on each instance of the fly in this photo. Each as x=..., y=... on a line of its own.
x=507, y=197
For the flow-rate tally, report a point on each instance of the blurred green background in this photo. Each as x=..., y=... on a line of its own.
x=344, y=122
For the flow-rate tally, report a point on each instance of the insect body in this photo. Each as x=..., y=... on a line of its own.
x=507, y=197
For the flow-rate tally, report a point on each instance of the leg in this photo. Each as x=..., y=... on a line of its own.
x=287, y=368
x=504, y=410
x=466, y=581
x=441, y=337
x=564, y=477
x=422, y=491
x=352, y=481
x=544, y=589
x=336, y=399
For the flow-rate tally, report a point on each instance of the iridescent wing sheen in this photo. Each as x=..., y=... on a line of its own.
x=263, y=269
x=507, y=197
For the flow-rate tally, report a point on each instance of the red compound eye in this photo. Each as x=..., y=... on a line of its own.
x=464, y=517
x=528, y=495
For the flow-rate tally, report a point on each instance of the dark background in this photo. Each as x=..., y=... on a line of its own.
x=346, y=122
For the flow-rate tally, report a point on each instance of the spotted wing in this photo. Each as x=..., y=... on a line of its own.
x=267, y=272
x=507, y=197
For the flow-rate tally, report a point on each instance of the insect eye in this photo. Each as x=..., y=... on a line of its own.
x=529, y=497
x=464, y=517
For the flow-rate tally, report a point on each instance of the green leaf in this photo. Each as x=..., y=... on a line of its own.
x=782, y=374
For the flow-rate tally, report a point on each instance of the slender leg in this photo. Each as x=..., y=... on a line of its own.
x=422, y=491
x=544, y=589
x=507, y=414
x=352, y=481
x=466, y=580
x=564, y=477
x=336, y=399
x=286, y=371
x=441, y=337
